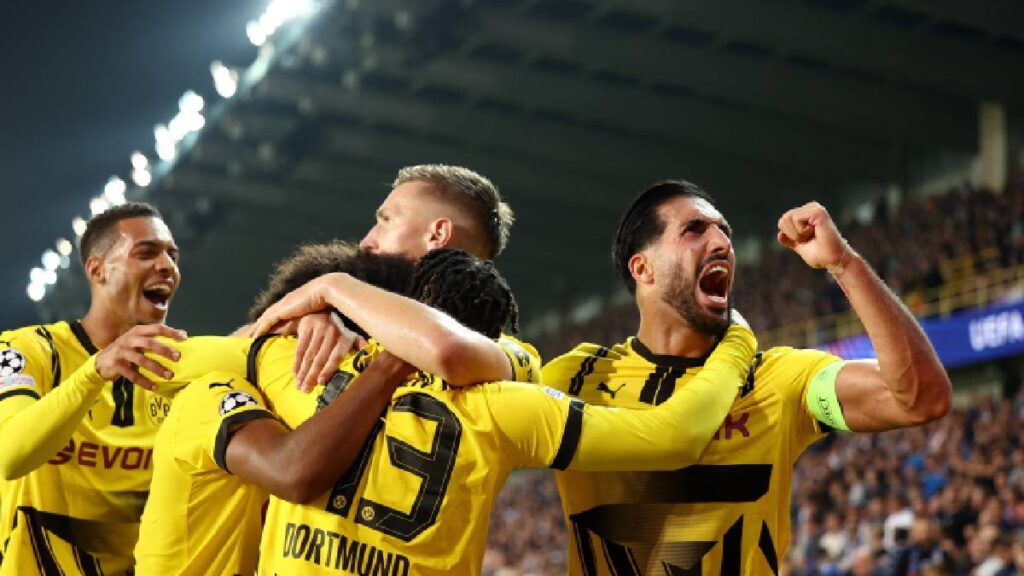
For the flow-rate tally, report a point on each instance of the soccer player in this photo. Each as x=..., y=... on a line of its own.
x=222, y=449
x=418, y=498
x=430, y=206
x=729, y=513
x=76, y=436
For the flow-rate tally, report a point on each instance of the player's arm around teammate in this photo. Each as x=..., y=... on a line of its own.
x=907, y=385
x=299, y=465
x=438, y=344
x=600, y=438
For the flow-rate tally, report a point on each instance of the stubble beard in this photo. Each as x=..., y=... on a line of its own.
x=680, y=294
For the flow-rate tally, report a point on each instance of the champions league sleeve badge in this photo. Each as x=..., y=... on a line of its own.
x=235, y=400
x=12, y=366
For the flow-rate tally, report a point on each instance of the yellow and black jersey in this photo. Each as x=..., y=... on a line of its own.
x=418, y=498
x=79, y=512
x=199, y=515
x=268, y=360
x=729, y=513
x=200, y=519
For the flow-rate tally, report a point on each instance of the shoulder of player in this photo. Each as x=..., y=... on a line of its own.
x=587, y=351
x=506, y=339
x=34, y=335
x=214, y=385
x=787, y=354
x=784, y=363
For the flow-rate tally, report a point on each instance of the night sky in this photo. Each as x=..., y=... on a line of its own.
x=83, y=85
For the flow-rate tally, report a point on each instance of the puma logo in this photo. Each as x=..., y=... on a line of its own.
x=602, y=387
x=224, y=384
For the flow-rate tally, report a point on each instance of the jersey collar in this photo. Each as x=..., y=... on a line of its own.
x=83, y=338
x=681, y=362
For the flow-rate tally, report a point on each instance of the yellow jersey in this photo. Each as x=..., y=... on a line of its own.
x=727, y=514
x=79, y=512
x=418, y=498
x=200, y=519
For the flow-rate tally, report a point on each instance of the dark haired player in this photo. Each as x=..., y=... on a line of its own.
x=418, y=498
x=221, y=448
x=76, y=437
x=729, y=513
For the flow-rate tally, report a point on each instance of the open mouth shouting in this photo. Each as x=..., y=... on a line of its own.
x=713, y=285
x=158, y=295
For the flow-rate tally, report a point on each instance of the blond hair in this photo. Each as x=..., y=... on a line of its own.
x=472, y=192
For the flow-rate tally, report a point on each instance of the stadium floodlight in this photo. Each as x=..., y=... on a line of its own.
x=64, y=246
x=98, y=205
x=51, y=260
x=190, y=102
x=36, y=291
x=255, y=33
x=37, y=275
x=178, y=127
x=142, y=178
x=276, y=14
x=166, y=151
x=78, y=225
x=194, y=122
x=225, y=80
x=165, y=144
x=139, y=161
x=113, y=191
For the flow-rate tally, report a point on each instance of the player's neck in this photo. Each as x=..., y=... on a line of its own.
x=103, y=327
x=667, y=334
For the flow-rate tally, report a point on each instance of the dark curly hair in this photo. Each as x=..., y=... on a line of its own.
x=466, y=288
x=310, y=261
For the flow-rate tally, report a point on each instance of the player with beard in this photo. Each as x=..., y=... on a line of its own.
x=76, y=436
x=729, y=513
x=417, y=501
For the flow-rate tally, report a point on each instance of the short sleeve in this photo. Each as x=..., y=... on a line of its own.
x=210, y=409
x=537, y=426
x=791, y=370
x=27, y=364
x=524, y=358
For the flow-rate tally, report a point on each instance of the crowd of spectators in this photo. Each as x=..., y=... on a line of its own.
x=916, y=247
x=947, y=498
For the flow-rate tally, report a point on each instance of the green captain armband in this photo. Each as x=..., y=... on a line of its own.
x=822, y=400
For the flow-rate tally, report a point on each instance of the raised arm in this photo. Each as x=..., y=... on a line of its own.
x=546, y=428
x=426, y=338
x=300, y=465
x=907, y=385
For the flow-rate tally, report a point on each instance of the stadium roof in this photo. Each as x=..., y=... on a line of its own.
x=572, y=107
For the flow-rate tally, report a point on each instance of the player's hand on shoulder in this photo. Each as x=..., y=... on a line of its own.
x=810, y=232
x=125, y=355
x=323, y=343
x=309, y=298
